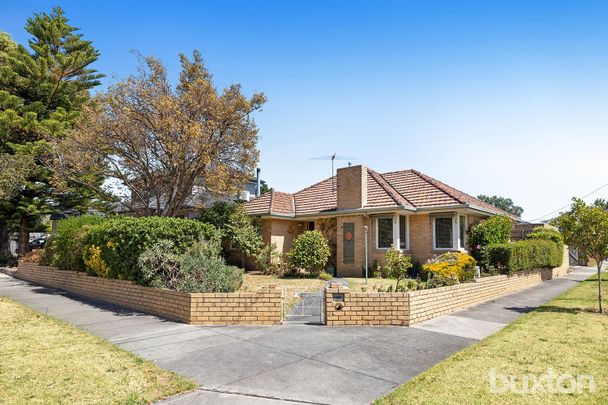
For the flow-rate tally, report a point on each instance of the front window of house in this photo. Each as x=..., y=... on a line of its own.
x=462, y=226
x=385, y=232
x=402, y=232
x=444, y=238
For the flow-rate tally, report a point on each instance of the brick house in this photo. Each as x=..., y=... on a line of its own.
x=407, y=209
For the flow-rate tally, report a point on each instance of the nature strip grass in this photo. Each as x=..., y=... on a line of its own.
x=564, y=336
x=44, y=360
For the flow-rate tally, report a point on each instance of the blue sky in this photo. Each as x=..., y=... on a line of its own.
x=492, y=97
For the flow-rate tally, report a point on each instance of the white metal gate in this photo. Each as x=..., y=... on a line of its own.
x=304, y=306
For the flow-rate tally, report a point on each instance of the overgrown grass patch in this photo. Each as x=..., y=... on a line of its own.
x=563, y=335
x=43, y=360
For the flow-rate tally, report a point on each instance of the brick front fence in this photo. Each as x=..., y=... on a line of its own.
x=344, y=307
x=260, y=308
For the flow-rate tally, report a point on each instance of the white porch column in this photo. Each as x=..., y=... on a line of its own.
x=396, y=233
x=456, y=231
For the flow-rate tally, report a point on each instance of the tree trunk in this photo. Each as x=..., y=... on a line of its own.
x=599, y=285
x=5, y=242
x=24, y=236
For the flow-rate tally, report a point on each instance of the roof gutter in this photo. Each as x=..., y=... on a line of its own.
x=379, y=210
x=342, y=212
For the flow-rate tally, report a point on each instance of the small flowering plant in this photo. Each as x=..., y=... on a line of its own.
x=456, y=266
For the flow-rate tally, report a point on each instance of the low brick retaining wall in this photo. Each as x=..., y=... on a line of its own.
x=343, y=307
x=259, y=308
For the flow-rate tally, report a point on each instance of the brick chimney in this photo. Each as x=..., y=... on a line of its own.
x=352, y=187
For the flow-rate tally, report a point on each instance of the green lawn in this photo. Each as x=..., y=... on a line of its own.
x=252, y=282
x=564, y=335
x=43, y=360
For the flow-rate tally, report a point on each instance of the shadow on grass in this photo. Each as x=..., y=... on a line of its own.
x=555, y=309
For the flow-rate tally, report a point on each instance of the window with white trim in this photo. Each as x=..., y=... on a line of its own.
x=462, y=230
x=384, y=232
x=443, y=233
x=402, y=232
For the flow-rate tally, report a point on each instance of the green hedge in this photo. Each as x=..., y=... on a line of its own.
x=64, y=248
x=525, y=255
x=546, y=234
x=112, y=248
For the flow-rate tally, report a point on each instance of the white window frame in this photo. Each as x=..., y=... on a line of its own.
x=396, y=242
x=378, y=233
x=456, y=243
x=407, y=232
x=462, y=244
x=454, y=236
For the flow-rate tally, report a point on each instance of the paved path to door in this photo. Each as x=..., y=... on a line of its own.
x=291, y=363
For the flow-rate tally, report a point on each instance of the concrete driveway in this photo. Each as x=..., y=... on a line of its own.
x=292, y=362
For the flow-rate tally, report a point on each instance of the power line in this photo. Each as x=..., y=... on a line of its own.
x=567, y=205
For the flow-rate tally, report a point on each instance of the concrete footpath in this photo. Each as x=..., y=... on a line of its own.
x=291, y=363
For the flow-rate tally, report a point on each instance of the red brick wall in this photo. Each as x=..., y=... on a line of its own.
x=259, y=308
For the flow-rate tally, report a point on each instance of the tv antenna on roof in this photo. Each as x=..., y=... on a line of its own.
x=333, y=158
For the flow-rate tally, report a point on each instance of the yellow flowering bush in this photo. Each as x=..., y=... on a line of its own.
x=452, y=265
x=94, y=263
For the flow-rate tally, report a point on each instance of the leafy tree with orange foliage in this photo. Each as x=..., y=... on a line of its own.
x=167, y=146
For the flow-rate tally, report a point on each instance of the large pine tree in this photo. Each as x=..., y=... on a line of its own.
x=42, y=90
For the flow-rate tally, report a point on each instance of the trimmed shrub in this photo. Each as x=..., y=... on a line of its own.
x=525, y=255
x=120, y=241
x=199, y=269
x=496, y=229
x=455, y=266
x=64, y=249
x=546, y=234
x=310, y=252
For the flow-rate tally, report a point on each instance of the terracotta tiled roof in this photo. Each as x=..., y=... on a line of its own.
x=381, y=194
x=405, y=188
x=282, y=203
x=273, y=202
x=259, y=205
x=417, y=190
x=462, y=196
x=318, y=197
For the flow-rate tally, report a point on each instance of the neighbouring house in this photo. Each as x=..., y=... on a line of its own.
x=198, y=198
x=521, y=229
x=406, y=209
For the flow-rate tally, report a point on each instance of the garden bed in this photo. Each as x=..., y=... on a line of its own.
x=346, y=307
x=251, y=282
